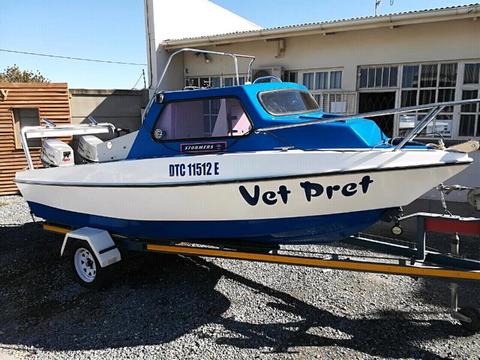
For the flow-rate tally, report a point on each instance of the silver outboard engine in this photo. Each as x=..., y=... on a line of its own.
x=56, y=153
x=87, y=148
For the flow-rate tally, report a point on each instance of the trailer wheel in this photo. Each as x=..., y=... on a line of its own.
x=474, y=315
x=86, y=268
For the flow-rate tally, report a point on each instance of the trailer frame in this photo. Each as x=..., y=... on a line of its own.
x=415, y=261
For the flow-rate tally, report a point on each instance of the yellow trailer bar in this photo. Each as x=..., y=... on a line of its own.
x=56, y=229
x=347, y=264
x=352, y=265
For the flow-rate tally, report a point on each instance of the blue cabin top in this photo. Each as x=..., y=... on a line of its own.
x=219, y=120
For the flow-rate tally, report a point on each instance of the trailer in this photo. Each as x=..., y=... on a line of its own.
x=94, y=252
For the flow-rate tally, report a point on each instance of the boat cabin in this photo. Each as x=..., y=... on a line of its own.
x=227, y=119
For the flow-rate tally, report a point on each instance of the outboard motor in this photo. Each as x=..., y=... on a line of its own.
x=56, y=153
x=87, y=148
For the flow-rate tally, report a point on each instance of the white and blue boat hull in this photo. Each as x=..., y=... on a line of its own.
x=280, y=197
x=300, y=230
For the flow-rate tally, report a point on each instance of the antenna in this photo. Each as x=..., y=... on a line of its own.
x=377, y=4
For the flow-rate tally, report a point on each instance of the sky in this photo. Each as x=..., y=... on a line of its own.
x=115, y=30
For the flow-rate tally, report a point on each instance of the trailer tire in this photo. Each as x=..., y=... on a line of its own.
x=474, y=315
x=86, y=269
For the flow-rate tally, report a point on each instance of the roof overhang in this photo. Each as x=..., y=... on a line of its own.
x=327, y=28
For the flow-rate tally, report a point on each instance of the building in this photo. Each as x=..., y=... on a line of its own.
x=351, y=66
x=24, y=104
x=123, y=108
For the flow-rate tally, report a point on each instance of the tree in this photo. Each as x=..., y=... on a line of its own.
x=15, y=74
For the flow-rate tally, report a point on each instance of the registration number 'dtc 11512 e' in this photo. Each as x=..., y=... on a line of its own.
x=194, y=169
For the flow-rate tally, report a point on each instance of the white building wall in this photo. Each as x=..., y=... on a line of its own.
x=440, y=41
x=447, y=41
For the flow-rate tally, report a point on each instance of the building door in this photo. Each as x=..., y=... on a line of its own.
x=374, y=101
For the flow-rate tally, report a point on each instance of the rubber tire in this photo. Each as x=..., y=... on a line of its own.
x=474, y=315
x=103, y=277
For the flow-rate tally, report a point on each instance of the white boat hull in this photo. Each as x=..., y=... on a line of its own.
x=273, y=194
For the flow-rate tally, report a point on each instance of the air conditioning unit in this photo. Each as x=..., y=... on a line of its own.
x=276, y=71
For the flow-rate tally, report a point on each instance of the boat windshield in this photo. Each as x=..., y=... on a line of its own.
x=286, y=102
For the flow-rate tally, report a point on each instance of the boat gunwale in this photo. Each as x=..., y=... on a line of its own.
x=241, y=181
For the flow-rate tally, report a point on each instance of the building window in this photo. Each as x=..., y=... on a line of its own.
x=212, y=81
x=203, y=82
x=448, y=75
x=378, y=77
x=25, y=117
x=232, y=81
x=308, y=80
x=335, y=80
x=323, y=80
x=192, y=82
x=471, y=74
x=336, y=102
x=426, y=84
x=410, y=76
x=199, y=119
x=215, y=81
x=428, y=75
x=290, y=76
x=470, y=113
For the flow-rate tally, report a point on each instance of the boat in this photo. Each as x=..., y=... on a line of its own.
x=255, y=163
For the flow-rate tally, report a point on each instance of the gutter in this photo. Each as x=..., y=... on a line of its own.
x=389, y=21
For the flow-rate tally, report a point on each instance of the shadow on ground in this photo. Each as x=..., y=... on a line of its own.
x=158, y=299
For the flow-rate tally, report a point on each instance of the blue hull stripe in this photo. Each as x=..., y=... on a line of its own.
x=309, y=229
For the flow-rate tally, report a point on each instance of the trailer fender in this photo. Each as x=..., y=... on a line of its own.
x=102, y=244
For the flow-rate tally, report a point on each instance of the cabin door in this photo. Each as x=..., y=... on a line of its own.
x=374, y=101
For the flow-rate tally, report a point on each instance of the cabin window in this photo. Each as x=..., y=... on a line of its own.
x=25, y=117
x=206, y=118
x=284, y=102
